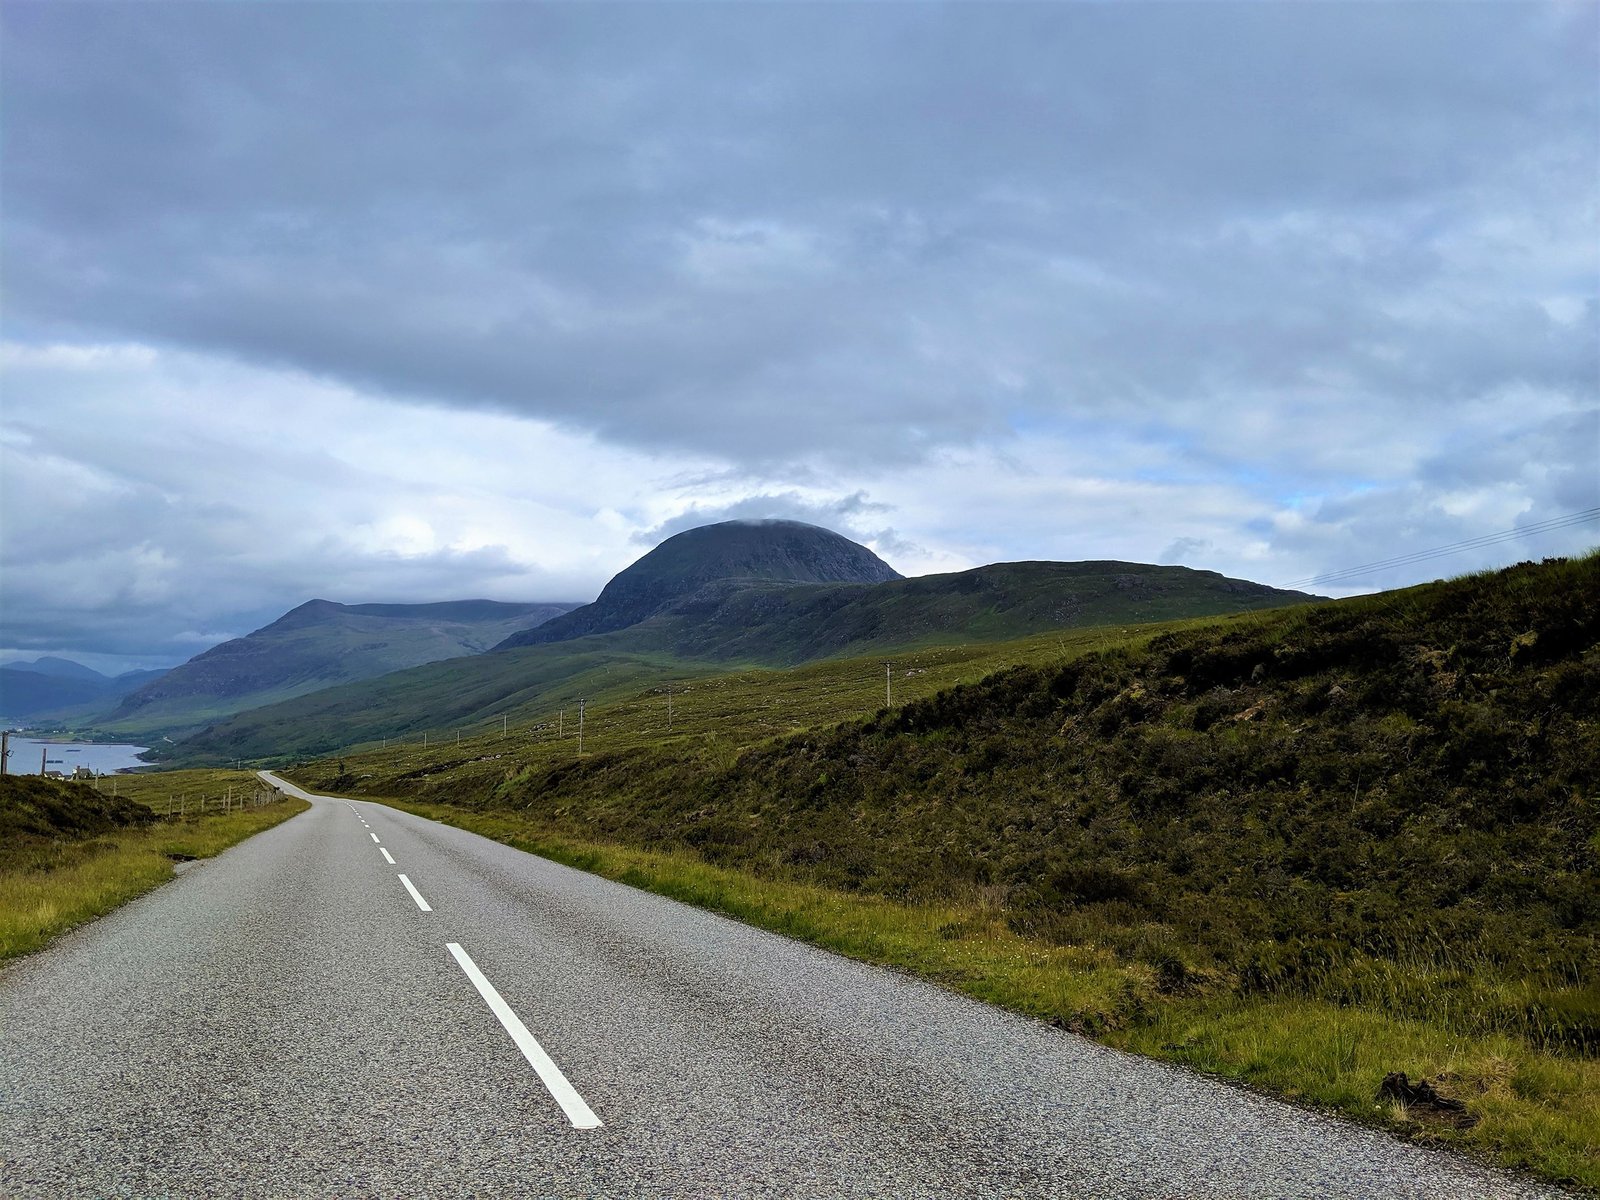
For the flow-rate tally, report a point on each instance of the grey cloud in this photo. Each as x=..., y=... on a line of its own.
x=780, y=233
x=890, y=545
x=141, y=605
x=841, y=515
x=113, y=561
x=1187, y=550
x=1471, y=489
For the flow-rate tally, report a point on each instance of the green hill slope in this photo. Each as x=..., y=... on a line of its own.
x=737, y=621
x=315, y=646
x=37, y=814
x=734, y=621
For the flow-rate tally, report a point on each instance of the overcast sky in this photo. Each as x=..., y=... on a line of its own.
x=414, y=302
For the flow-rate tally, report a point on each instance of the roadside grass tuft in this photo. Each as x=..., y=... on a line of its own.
x=53, y=881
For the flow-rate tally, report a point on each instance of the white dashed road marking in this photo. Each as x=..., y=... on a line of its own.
x=416, y=895
x=578, y=1112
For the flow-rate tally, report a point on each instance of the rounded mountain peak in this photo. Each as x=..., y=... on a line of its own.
x=784, y=551
x=765, y=551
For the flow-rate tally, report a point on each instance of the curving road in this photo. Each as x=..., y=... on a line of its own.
x=360, y=1002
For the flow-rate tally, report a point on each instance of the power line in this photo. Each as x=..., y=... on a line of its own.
x=1565, y=521
x=1570, y=520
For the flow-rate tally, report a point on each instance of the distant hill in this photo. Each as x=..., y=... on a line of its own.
x=49, y=685
x=723, y=622
x=784, y=552
x=782, y=624
x=315, y=646
x=58, y=668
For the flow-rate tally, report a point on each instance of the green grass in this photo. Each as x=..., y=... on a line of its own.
x=1533, y=1110
x=50, y=884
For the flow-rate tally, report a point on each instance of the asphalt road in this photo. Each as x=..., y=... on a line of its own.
x=288, y=1020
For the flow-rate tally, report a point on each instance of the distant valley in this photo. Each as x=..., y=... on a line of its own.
x=52, y=685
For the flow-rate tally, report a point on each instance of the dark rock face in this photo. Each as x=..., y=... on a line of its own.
x=764, y=551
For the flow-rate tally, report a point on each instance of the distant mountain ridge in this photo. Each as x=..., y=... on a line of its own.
x=685, y=621
x=767, y=552
x=58, y=668
x=51, y=684
x=317, y=645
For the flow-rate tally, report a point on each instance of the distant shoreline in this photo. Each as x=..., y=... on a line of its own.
x=103, y=758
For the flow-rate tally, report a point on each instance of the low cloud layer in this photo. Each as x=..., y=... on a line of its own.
x=446, y=300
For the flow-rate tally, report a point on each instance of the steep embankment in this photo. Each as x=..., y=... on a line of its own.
x=38, y=815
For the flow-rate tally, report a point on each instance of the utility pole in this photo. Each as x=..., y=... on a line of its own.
x=5, y=749
x=503, y=724
x=669, y=708
x=581, y=703
x=561, y=722
x=44, y=759
x=888, y=691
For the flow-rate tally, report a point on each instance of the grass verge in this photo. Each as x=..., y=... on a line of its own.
x=1531, y=1109
x=48, y=887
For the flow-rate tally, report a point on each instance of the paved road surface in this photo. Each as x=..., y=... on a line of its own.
x=287, y=1020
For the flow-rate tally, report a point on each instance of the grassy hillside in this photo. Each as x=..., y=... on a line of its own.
x=735, y=622
x=1239, y=841
x=37, y=815
x=70, y=852
x=1265, y=799
x=431, y=702
x=317, y=645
